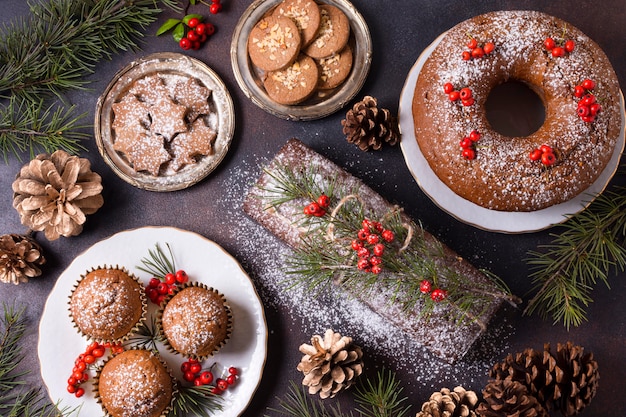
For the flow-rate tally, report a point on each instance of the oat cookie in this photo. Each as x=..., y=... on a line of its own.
x=306, y=15
x=334, y=69
x=293, y=84
x=274, y=43
x=333, y=34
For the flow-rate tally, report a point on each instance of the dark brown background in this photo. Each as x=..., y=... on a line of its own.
x=400, y=30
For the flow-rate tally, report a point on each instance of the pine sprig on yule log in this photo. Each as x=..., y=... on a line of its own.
x=52, y=51
x=15, y=398
x=325, y=255
x=582, y=254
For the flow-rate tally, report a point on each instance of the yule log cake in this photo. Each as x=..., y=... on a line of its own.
x=567, y=70
x=346, y=234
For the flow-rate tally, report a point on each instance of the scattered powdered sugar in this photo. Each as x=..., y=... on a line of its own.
x=384, y=344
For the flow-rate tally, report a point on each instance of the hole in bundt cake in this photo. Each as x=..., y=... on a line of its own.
x=514, y=109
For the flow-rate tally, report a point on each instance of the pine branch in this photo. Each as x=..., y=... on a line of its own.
x=382, y=397
x=197, y=401
x=590, y=245
x=297, y=403
x=16, y=400
x=52, y=51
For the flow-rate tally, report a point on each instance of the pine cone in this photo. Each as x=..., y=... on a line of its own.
x=507, y=398
x=20, y=258
x=446, y=403
x=566, y=381
x=369, y=127
x=53, y=193
x=330, y=364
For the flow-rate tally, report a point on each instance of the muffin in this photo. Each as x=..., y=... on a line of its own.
x=135, y=383
x=108, y=304
x=196, y=321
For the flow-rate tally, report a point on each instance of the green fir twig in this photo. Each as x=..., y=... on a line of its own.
x=16, y=399
x=52, y=51
x=582, y=253
x=158, y=263
x=298, y=403
x=382, y=397
x=197, y=401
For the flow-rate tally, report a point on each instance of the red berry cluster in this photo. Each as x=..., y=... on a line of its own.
x=464, y=94
x=477, y=51
x=79, y=373
x=157, y=289
x=317, y=208
x=560, y=48
x=193, y=372
x=369, y=245
x=588, y=107
x=468, y=145
x=198, y=34
x=545, y=154
x=437, y=295
x=216, y=6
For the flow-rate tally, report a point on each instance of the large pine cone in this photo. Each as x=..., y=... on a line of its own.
x=20, y=258
x=369, y=127
x=566, y=381
x=330, y=364
x=446, y=403
x=53, y=193
x=507, y=398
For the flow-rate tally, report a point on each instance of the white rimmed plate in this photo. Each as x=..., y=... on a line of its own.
x=471, y=213
x=204, y=261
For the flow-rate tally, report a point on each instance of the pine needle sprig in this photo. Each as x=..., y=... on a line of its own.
x=147, y=336
x=589, y=246
x=297, y=403
x=158, y=263
x=382, y=397
x=29, y=127
x=52, y=51
x=17, y=400
x=197, y=401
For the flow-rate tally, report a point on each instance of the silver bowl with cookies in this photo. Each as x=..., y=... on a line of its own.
x=301, y=59
x=164, y=122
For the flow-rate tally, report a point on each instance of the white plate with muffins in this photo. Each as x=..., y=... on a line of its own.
x=206, y=264
x=301, y=59
x=469, y=212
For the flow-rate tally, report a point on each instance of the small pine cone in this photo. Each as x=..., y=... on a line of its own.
x=330, y=364
x=369, y=127
x=446, y=403
x=566, y=381
x=53, y=193
x=506, y=398
x=20, y=258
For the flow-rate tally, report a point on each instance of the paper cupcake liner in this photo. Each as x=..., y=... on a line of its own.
x=162, y=332
x=137, y=325
x=166, y=410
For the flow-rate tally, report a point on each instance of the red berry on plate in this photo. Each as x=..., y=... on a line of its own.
x=549, y=44
x=195, y=368
x=231, y=379
x=170, y=279
x=221, y=384
x=79, y=392
x=588, y=84
x=570, y=45
x=189, y=376
x=233, y=371
x=206, y=377
x=181, y=276
x=154, y=282
x=535, y=155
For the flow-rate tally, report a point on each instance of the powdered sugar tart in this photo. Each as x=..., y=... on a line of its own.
x=322, y=102
x=466, y=211
x=246, y=349
x=164, y=122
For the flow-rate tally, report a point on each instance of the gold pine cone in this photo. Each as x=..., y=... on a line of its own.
x=330, y=364
x=20, y=258
x=54, y=193
x=450, y=403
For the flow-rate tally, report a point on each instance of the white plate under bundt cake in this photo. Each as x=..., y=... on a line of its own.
x=499, y=172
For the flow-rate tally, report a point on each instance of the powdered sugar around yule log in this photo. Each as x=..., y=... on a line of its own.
x=502, y=176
